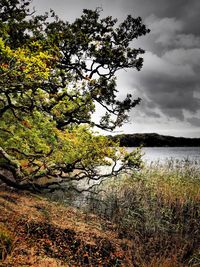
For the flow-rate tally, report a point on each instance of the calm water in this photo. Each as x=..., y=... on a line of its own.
x=151, y=154
x=162, y=154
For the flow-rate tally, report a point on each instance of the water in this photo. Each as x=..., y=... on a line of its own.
x=151, y=155
x=163, y=154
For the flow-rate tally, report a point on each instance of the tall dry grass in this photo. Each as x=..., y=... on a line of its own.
x=158, y=209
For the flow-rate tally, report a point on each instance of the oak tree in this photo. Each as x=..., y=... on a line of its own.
x=53, y=75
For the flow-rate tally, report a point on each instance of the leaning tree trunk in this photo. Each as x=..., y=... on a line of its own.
x=10, y=173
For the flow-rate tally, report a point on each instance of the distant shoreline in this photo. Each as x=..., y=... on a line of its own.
x=154, y=140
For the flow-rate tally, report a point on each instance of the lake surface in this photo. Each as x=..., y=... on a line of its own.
x=163, y=154
x=151, y=155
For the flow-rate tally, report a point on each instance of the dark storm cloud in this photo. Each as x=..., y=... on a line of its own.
x=184, y=10
x=170, y=76
x=171, y=84
x=194, y=121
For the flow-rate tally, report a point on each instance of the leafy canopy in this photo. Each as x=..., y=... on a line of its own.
x=53, y=74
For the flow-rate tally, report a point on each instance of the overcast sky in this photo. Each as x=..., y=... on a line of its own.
x=169, y=82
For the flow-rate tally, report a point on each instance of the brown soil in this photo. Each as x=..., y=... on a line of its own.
x=46, y=233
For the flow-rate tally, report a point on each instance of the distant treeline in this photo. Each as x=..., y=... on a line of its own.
x=154, y=140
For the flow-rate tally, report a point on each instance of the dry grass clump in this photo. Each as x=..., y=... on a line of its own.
x=158, y=209
x=6, y=242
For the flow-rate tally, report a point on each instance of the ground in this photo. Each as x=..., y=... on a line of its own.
x=45, y=233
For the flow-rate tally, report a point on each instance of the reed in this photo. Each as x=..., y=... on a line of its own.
x=158, y=209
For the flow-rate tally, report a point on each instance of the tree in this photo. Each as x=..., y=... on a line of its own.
x=53, y=74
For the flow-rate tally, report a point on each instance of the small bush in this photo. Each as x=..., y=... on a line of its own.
x=6, y=242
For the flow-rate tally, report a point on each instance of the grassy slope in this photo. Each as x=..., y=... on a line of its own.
x=155, y=215
x=45, y=233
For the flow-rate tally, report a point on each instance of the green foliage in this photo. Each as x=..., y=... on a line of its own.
x=52, y=76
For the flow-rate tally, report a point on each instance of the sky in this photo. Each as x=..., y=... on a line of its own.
x=169, y=82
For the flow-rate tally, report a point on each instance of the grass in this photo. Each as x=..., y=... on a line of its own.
x=158, y=210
